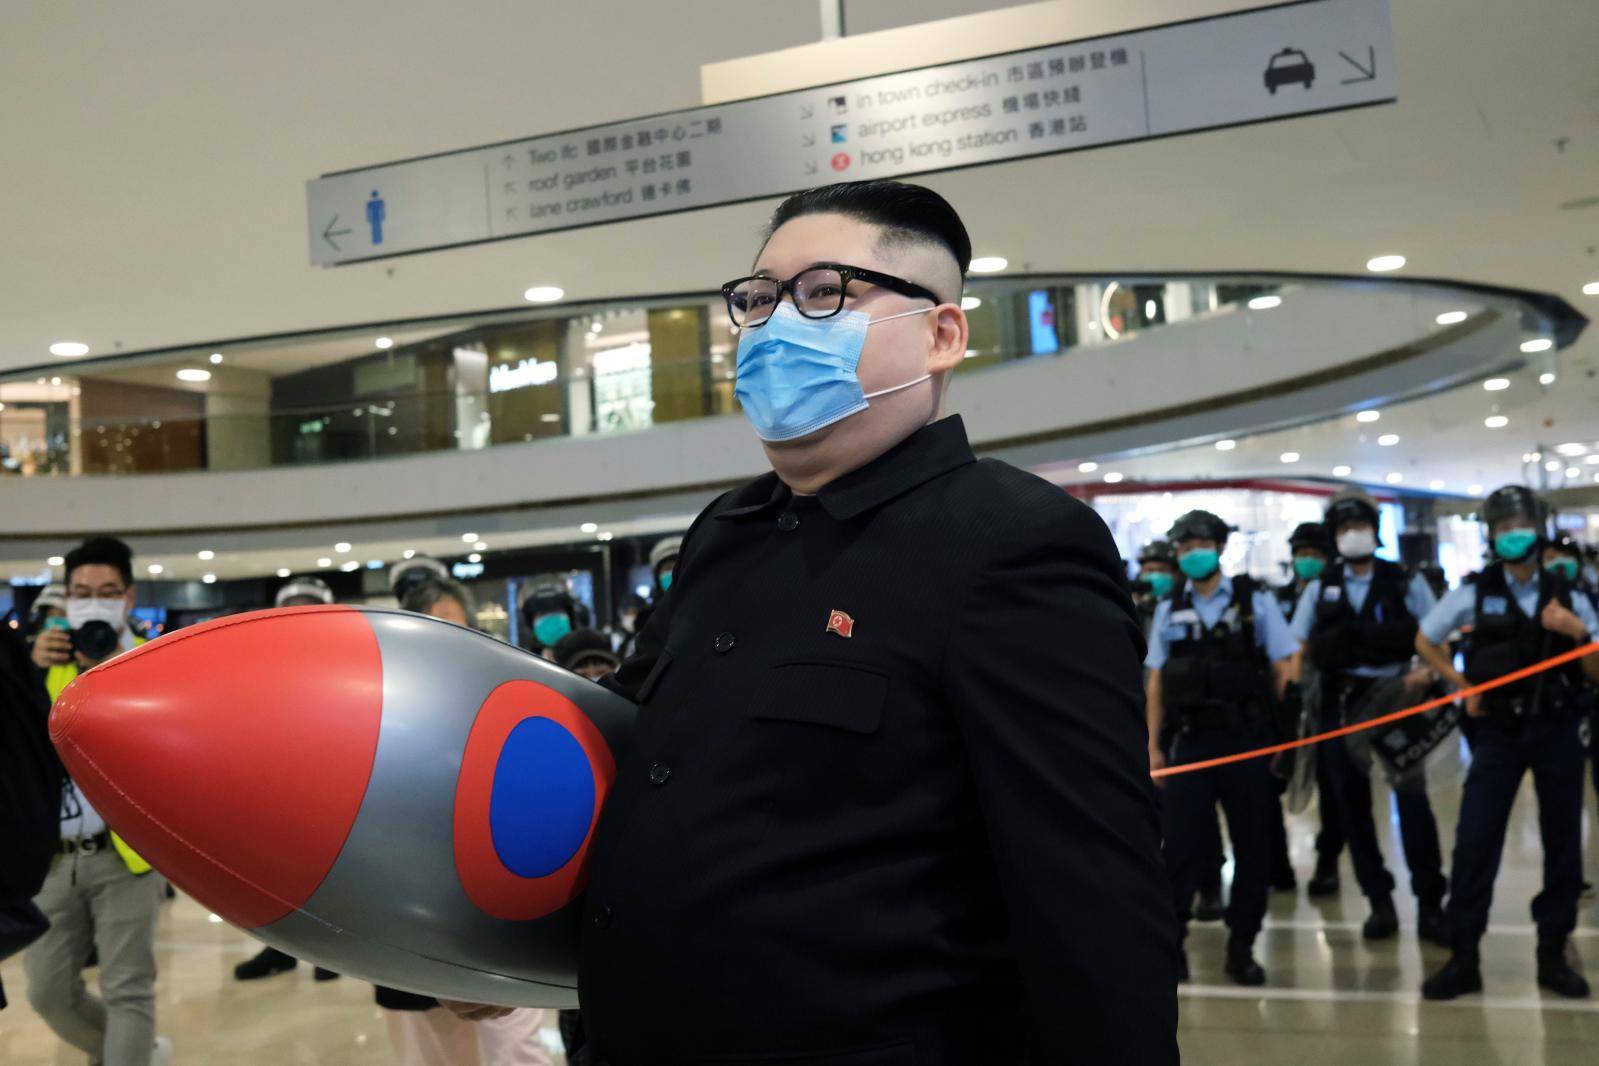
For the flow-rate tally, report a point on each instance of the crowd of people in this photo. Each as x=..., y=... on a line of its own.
x=1349, y=638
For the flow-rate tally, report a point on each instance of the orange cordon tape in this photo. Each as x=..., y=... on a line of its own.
x=1420, y=708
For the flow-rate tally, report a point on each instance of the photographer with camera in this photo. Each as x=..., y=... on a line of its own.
x=99, y=893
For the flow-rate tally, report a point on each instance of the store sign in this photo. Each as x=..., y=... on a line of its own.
x=1229, y=70
x=508, y=376
x=466, y=571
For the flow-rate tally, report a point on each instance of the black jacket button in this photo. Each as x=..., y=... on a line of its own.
x=660, y=774
x=788, y=521
x=724, y=642
x=602, y=917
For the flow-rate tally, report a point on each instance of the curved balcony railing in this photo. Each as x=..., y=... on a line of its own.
x=471, y=382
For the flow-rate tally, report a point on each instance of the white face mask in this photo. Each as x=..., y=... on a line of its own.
x=1357, y=544
x=113, y=612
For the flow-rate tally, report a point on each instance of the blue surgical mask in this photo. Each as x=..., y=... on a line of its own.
x=549, y=628
x=1564, y=567
x=796, y=375
x=1199, y=563
x=1160, y=583
x=1513, y=545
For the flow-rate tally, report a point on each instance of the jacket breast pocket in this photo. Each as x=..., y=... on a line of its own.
x=840, y=695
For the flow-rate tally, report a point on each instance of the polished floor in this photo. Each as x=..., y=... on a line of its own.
x=1330, y=997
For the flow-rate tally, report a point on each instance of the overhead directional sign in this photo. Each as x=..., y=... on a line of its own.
x=1252, y=66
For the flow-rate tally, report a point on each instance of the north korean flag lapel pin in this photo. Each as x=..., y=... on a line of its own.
x=841, y=623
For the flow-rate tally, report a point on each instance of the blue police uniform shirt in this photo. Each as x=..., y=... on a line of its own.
x=1419, y=601
x=1459, y=608
x=1271, y=629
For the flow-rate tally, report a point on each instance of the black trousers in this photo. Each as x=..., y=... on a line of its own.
x=1281, y=868
x=1330, y=838
x=1188, y=819
x=1501, y=754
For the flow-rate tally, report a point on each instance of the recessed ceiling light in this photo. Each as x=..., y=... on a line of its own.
x=1112, y=477
x=1265, y=303
x=1435, y=485
x=1367, y=416
x=543, y=294
x=480, y=546
x=1496, y=384
x=604, y=534
x=474, y=558
x=1394, y=479
x=409, y=553
x=1537, y=344
x=342, y=546
x=350, y=567
x=1449, y=318
x=384, y=342
x=55, y=560
x=209, y=579
x=206, y=556
x=589, y=527
x=1226, y=445
x=970, y=303
x=1383, y=263
x=1591, y=460
x=1591, y=289
x=1388, y=440
x=216, y=357
x=283, y=571
x=155, y=568
x=323, y=563
x=1341, y=471
x=1546, y=378
x=1496, y=421
x=1474, y=490
x=1087, y=467
x=69, y=348
x=1551, y=465
x=988, y=264
x=1289, y=457
x=1571, y=447
x=194, y=373
x=1572, y=471
x=468, y=538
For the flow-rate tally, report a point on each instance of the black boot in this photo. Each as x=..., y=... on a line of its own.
x=1210, y=907
x=1433, y=924
x=1241, y=964
x=1384, y=921
x=1324, y=882
x=1461, y=975
x=1283, y=880
x=1556, y=973
x=269, y=962
x=319, y=974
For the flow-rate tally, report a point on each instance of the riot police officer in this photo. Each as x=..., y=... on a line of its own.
x=1358, y=622
x=1157, y=578
x=1312, y=550
x=1220, y=656
x=1519, y=615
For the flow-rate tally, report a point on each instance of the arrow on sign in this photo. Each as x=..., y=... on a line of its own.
x=807, y=111
x=810, y=168
x=1367, y=73
x=808, y=140
x=329, y=233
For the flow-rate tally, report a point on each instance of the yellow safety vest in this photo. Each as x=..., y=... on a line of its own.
x=56, y=679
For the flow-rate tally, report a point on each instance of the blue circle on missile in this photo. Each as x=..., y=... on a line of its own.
x=542, y=802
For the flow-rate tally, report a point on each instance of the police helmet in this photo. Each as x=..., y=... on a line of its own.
x=1158, y=551
x=1310, y=535
x=1351, y=505
x=54, y=595
x=1199, y=525
x=1514, y=501
x=665, y=551
x=1566, y=544
x=303, y=591
x=546, y=594
x=405, y=576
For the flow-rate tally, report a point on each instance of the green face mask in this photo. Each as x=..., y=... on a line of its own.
x=1513, y=544
x=551, y=628
x=1199, y=563
x=1308, y=567
x=666, y=581
x=1160, y=584
x=1566, y=568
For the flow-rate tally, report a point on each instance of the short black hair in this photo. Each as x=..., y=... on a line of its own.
x=103, y=551
x=912, y=214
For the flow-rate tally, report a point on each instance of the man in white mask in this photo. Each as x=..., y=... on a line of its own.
x=99, y=893
x=1357, y=622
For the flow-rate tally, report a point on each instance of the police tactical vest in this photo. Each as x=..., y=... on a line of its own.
x=1288, y=598
x=1382, y=633
x=1218, y=670
x=1504, y=638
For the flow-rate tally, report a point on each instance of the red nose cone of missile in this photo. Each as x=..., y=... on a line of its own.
x=282, y=707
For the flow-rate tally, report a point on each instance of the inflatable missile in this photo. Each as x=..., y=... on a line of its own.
x=382, y=793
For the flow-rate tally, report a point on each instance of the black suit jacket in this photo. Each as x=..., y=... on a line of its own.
x=929, y=841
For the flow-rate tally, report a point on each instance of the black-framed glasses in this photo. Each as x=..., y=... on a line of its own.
x=818, y=291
